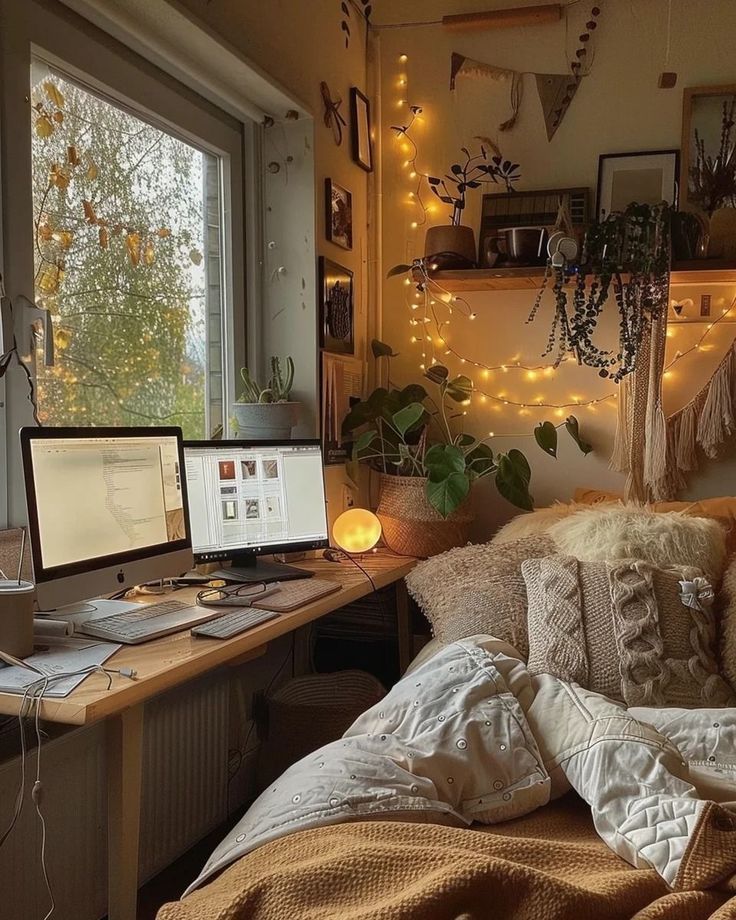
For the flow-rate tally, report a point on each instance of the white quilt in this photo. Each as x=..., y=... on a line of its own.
x=469, y=736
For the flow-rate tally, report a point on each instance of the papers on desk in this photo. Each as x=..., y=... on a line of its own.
x=56, y=655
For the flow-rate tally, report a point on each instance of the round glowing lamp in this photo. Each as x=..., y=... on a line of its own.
x=356, y=530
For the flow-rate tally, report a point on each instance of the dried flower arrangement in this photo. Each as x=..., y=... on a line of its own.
x=713, y=179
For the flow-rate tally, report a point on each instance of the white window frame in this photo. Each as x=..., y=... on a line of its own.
x=49, y=31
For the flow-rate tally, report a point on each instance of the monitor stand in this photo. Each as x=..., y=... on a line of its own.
x=251, y=568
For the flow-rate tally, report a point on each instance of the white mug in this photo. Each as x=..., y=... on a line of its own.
x=16, y=618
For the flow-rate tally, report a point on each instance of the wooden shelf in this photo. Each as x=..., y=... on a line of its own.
x=701, y=271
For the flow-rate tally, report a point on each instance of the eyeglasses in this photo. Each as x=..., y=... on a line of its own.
x=233, y=595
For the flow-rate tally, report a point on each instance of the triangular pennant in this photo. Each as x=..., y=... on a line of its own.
x=556, y=91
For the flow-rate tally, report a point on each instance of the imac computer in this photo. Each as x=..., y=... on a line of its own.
x=249, y=498
x=107, y=509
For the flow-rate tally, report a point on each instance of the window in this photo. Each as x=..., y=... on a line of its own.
x=123, y=214
x=122, y=203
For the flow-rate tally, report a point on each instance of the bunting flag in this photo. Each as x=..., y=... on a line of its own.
x=461, y=65
x=556, y=90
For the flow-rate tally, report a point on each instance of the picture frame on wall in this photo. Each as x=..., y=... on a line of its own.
x=338, y=214
x=360, y=127
x=336, y=310
x=647, y=177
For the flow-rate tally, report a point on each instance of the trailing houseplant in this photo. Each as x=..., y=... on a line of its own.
x=626, y=255
x=266, y=412
x=406, y=434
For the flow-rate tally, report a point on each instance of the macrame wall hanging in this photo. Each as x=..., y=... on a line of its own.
x=556, y=90
x=656, y=452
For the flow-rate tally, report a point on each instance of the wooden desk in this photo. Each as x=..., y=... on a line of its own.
x=164, y=663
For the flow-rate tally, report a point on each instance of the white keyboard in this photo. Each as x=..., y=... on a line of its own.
x=149, y=621
x=231, y=624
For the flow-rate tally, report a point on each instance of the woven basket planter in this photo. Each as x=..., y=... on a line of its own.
x=310, y=711
x=411, y=526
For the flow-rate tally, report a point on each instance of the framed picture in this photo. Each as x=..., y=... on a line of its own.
x=338, y=214
x=342, y=385
x=360, y=126
x=336, y=319
x=707, y=121
x=647, y=178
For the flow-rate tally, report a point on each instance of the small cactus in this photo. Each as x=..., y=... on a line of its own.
x=278, y=388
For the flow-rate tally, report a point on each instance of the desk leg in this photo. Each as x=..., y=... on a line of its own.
x=124, y=769
x=403, y=618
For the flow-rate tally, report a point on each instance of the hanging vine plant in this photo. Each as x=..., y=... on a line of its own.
x=627, y=255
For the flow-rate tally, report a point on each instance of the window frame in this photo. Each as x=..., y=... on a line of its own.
x=73, y=45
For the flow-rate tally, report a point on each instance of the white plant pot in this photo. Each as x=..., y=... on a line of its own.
x=265, y=421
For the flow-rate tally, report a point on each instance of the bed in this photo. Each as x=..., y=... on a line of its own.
x=550, y=865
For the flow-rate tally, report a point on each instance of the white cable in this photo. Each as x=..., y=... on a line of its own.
x=669, y=33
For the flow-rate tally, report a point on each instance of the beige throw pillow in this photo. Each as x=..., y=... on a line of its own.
x=625, y=532
x=726, y=609
x=622, y=629
x=477, y=590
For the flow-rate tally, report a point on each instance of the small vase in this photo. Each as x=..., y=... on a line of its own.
x=722, y=244
x=450, y=247
x=265, y=421
x=411, y=526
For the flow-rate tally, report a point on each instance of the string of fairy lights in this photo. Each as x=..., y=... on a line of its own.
x=432, y=306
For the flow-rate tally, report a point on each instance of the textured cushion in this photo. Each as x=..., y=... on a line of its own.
x=721, y=509
x=533, y=523
x=726, y=609
x=477, y=590
x=630, y=532
x=621, y=629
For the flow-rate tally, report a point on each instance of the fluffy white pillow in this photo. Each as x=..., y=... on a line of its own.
x=668, y=539
x=533, y=523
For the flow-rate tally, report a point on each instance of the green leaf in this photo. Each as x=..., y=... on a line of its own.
x=464, y=440
x=441, y=460
x=382, y=350
x=365, y=440
x=359, y=414
x=573, y=429
x=545, y=435
x=479, y=461
x=415, y=392
x=512, y=479
x=447, y=494
x=460, y=388
x=437, y=373
x=398, y=270
x=407, y=417
x=377, y=399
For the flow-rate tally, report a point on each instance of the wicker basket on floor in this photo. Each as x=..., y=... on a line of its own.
x=308, y=712
x=411, y=526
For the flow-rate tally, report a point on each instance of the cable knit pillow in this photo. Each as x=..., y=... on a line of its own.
x=624, y=532
x=623, y=629
x=477, y=590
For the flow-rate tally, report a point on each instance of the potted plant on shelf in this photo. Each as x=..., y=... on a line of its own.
x=266, y=412
x=453, y=245
x=426, y=468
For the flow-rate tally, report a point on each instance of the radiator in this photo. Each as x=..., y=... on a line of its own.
x=185, y=763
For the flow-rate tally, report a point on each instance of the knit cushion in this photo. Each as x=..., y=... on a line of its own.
x=726, y=609
x=612, y=532
x=477, y=590
x=622, y=629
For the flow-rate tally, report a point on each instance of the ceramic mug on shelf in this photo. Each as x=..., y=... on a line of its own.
x=16, y=617
x=520, y=245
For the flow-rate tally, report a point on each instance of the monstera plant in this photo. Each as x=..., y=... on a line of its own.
x=408, y=432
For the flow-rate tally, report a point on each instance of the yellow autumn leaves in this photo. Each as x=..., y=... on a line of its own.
x=139, y=243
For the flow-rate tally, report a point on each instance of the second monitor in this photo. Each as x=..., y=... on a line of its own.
x=248, y=498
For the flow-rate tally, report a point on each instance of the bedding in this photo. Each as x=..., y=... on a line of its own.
x=477, y=589
x=471, y=736
x=626, y=629
x=549, y=865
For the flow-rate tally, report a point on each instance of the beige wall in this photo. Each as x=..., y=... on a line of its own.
x=617, y=108
x=299, y=44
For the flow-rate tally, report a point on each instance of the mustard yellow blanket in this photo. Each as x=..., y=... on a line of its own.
x=550, y=865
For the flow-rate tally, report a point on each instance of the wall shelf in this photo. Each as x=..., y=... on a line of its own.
x=701, y=271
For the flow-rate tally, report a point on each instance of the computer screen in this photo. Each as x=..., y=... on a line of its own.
x=249, y=497
x=105, y=499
